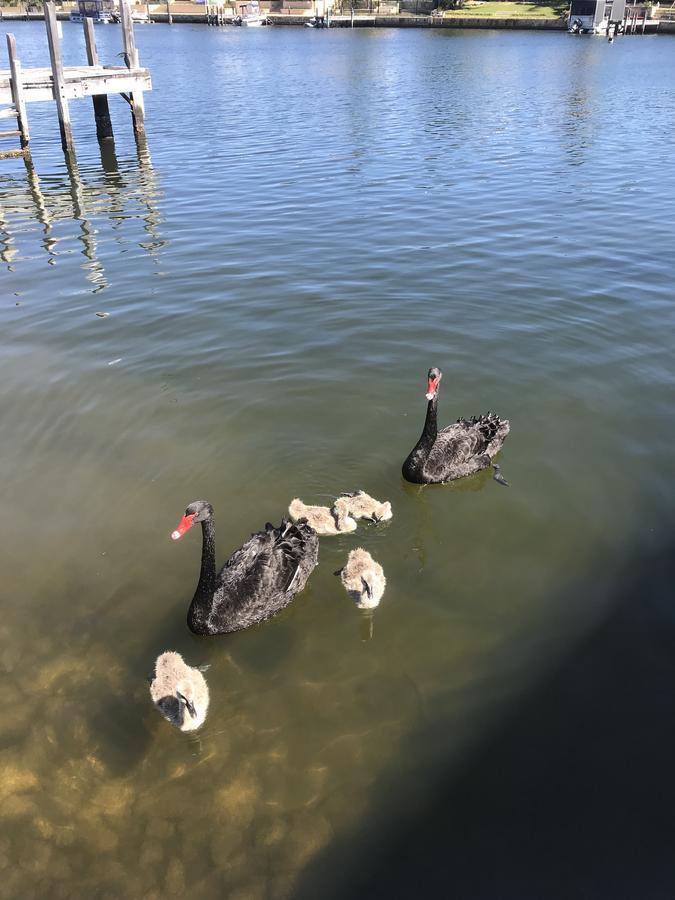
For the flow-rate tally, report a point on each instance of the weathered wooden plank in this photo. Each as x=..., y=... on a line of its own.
x=104, y=130
x=7, y=113
x=12, y=154
x=57, y=74
x=44, y=75
x=104, y=82
x=16, y=90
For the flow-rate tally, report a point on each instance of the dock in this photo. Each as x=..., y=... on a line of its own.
x=60, y=84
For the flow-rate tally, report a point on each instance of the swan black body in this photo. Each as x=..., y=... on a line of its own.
x=458, y=450
x=256, y=582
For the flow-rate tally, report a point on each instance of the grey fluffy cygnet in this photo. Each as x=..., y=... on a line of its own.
x=363, y=506
x=363, y=579
x=179, y=692
x=322, y=519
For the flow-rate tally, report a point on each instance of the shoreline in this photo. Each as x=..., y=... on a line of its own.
x=361, y=21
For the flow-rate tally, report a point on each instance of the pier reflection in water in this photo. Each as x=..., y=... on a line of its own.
x=117, y=191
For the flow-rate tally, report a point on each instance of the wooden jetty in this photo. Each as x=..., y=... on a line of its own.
x=59, y=83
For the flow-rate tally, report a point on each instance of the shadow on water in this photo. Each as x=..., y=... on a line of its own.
x=572, y=796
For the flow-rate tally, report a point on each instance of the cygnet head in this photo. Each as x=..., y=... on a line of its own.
x=343, y=519
x=433, y=383
x=382, y=512
x=179, y=692
x=363, y=506
x=197, y=511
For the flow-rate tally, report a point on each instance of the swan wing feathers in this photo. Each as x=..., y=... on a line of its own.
x=466, y=446
x=262, y=576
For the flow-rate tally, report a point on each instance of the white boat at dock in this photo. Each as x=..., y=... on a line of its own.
x=139, y=17
x=250, y=15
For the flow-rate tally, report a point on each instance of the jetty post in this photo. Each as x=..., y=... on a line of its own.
x=17, y=94
x=104, y=130
x=135, y=98
x=59, y=82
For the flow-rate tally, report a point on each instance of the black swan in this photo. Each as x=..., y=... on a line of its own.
x=458, y=450
x=256, y=582
x=177, y=689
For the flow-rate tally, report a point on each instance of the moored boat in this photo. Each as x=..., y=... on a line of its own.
x=101, y=12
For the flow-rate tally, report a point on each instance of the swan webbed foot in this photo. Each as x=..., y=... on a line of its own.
x=498, y=477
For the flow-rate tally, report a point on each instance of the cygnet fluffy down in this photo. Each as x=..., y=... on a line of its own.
x=322, y=519
x=179, y=691
x=363, y=579
x=363, y=506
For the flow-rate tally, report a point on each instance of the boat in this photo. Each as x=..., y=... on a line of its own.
x=138, y=17
x=317, y=22
x=101, y=12
x=250, y=15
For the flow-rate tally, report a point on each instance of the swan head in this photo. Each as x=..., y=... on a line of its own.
x=197, y=511
x=433, y=382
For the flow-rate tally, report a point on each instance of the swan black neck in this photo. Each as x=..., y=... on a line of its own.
x=431, y=421
x=414, y=465
x=203, y=598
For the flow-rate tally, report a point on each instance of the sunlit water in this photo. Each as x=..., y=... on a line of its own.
x=316, y=219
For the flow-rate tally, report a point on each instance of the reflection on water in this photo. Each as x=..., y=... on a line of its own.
x=325, y=218
x=113, y=191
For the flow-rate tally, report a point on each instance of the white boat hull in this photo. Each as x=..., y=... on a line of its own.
x=97, y=20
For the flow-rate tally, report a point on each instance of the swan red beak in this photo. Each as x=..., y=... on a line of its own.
x=184, y=525
x=432, y=388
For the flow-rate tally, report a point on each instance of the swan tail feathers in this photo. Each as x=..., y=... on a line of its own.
x=489, y=424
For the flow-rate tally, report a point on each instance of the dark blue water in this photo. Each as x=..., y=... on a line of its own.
x=316, y=219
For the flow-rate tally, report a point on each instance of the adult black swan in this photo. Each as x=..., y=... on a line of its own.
x=458, y=450
x=256, y=582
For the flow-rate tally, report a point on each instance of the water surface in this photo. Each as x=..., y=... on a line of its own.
x=315, y=220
